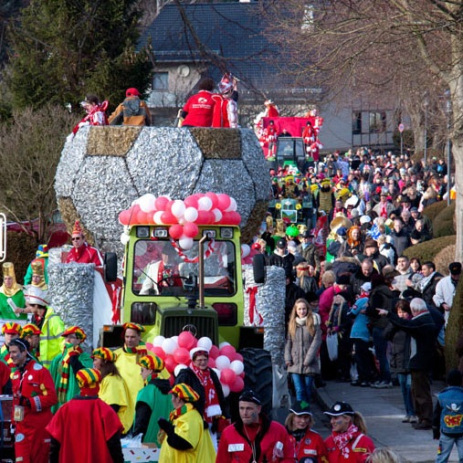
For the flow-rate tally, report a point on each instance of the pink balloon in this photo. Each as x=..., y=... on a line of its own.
x=227, y=376
x=142, y=217
x=175, y=231
x=211, y=362
x=168, y=218
x=186, y=340
x=214, y=199
x=237, y=385
x=223, y=201
x=182, y=355
x=157, y=217
x=191, y=201
x=124, y=217
x=205, y=217
x=235, y=218
x=170, y=363
x=149, y=346
x=190, y=230
x=214, y=352
x=160, y=203
x=169, y=205
x=157, y=350
x=228, y=351
x=238, y=357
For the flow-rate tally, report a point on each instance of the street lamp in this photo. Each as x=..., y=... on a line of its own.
x=448, y=112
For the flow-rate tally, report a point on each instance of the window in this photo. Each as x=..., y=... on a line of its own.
x=377, y=121
x=356, y=122
x=161, y=81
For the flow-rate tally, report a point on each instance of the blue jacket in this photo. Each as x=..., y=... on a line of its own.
x=451, y=403
x=360, y=326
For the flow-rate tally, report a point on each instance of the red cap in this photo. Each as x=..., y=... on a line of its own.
x=132, y=92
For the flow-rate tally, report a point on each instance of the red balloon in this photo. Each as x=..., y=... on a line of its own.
x=214, y=352
x=182, y=355
x=157, y=350
x=168, y=218
x=224, y=201
x=160, y=203
x=227, y=376
x=213, y=197
x=237, y=385
x=211, y=362
x=205, y=217
x=186, y=340
x=190, y=229
x=170, y=363
x=191, y=201
x=228, y=351
x=235, y=218
x=124, y=217
x=238, y=357
x=141, y=217
x=176, y=231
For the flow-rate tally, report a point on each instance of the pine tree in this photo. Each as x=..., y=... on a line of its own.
x=65, y=49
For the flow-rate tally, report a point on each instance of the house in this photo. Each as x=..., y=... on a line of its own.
x=190, y=41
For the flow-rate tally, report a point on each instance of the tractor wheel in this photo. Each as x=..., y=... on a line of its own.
x=259, y=375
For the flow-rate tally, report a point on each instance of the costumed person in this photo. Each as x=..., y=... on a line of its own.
x=270, y=137
x=340, y=223
x=49, y=323
x=308, y=135
x=185, y=439
x=324, y=196
x=128, y=359
x=31, y=333
x=96, y=113
x=254, y=437
x=113, y=389
x=82, y=252
x=65, y=366
x=85, y=428
x=38, y=276
x=204, y=380
x=348, y=441
x=271, y=109
x=226, y=103
x=302, y=349
x=199, y=109
x=5, y=380
x=132, y=111
x=41, y=255
x=33, y=396
x=309, y=445
x=11, y=295
x=153, y=401
x=10, y=331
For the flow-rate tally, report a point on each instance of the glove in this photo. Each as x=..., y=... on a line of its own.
x=436, y=434
x=165, y=425
x=25, y=402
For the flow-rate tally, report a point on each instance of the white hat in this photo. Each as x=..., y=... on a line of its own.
x=366, y=287
x=198, y=349
x=365, y=219
x=35, y=295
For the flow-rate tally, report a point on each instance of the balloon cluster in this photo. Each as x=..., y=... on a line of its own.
x=183, y=216
x=225, y=361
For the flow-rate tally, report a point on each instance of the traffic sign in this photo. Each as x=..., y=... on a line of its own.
x=401, y=128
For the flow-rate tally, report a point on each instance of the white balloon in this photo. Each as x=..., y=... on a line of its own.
x=178, y=208
x=178, y=368
x=158, y=340
x=186, y=243
x=205, y=343
x=222, y=361
x=237, y=366
x=191, y=214
x=175, y=339
x=157, y=217
x=204, y=204
x=217, y=372
x=245, y=250
x=168, y=346
x=226, y=390
x=146, y=202
x=233, y=206
x=217, y=215
x=224, y=343
x=125, y=238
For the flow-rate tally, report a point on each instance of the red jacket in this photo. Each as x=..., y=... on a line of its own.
x=234, y=446
x=310, y=446
x=356, y=451
x=199, y=109
x=85, y=254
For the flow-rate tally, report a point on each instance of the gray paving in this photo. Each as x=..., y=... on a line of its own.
x=383, y=411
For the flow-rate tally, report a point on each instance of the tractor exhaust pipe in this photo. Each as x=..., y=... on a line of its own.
x=201, y=269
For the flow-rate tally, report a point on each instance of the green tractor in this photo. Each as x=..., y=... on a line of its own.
x=169, y=290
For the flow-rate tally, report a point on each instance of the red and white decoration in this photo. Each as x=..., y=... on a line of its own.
x=183, y=216
x=224, y=359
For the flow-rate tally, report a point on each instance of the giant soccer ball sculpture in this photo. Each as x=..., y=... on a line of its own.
x=103, y=169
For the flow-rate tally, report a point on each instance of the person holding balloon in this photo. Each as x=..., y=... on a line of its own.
x=204, y=380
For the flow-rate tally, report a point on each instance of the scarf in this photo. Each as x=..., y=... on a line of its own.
x=301, y=321
x=342, y=439
x=210, y=393
x=424, y=282
x=139, y=350
x=176, y=413
x=69, y=351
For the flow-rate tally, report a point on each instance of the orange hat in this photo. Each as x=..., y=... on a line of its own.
x=79, y=332
x=11, y=328
x=30, y=329
x=77, y=230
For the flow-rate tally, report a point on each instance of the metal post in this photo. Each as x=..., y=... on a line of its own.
x=448, y=110
x=401, y=144
x=426, y=104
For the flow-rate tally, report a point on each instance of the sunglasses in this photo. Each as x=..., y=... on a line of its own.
x=75, y=239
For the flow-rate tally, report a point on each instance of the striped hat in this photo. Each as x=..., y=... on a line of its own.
x=104, y=353
x=30, y=329
x=79, y=332
x=152, y=362
x=11, y=328
x=88, y=378
x=185, y=392
x=133, y=326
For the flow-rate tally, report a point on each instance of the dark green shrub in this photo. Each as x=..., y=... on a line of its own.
x=21, y=249
x=429, y=249
x=443, y=224
x=434, y=209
